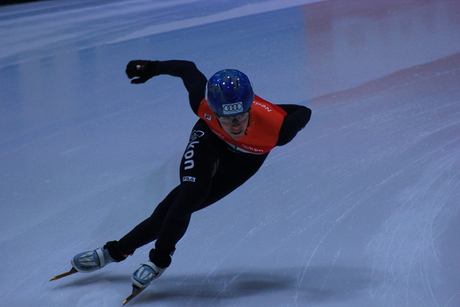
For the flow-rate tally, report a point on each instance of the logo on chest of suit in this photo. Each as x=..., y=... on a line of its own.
x=196, y=134
x=267, y=108
x=189, y=152
x=208, y=116
x=253, y=149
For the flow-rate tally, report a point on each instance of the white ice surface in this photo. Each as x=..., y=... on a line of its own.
x=361, y=209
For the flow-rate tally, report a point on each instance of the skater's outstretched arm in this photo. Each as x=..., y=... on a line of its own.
x=195, y=82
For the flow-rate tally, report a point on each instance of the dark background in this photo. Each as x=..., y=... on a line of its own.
x=6, y=2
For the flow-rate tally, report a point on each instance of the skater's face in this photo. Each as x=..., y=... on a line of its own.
x=235, y=126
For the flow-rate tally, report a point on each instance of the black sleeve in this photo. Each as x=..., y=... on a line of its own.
x=296, y=119
x=194, y=80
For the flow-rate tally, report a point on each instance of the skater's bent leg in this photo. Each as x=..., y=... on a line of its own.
x=148, y=230
x=234, y=170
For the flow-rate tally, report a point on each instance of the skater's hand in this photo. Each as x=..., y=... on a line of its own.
x=142, y=69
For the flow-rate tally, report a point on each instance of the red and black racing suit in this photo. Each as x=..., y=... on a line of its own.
x=212, y=166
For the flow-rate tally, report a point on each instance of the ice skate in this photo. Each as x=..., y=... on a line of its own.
x=92, y=260
x=142, y=277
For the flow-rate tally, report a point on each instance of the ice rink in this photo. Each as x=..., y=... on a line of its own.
x=360, y=209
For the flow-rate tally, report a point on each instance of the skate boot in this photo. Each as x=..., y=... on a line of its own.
x=149, y=271
x=91, y=261
x=144, y=275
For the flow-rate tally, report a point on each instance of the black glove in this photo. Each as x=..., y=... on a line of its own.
x=142, y=69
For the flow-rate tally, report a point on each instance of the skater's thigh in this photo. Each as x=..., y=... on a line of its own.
x=233, y=170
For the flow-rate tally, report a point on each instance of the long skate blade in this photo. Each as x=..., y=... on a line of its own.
x=136, y=291
x=72, y=271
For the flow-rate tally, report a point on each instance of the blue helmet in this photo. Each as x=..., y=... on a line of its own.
x=229, y=93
